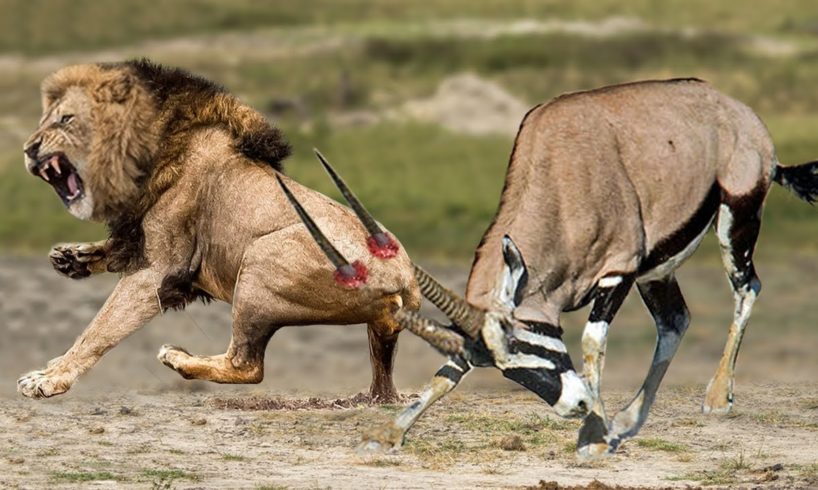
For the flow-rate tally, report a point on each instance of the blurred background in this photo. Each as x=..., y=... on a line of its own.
x=417, y=104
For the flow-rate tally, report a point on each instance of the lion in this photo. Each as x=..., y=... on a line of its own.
x=184, y=176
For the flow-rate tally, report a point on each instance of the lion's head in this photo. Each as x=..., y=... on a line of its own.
x=112, y=136
x=96, y=139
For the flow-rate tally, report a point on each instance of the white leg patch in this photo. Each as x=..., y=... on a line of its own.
x=575, y=399
x=532, y=338
x=594, y=335
x=610, y=281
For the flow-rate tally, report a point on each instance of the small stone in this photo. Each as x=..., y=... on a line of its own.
x=96, y=430
x=98, y=411
x=199, y=421
x=123, y=410
x=16, y=460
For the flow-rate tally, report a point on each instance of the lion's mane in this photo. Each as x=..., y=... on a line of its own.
x=143, y=118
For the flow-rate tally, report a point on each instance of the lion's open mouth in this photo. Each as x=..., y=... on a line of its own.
x=56, y=169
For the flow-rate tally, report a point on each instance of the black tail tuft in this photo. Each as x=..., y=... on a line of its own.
x=800, y=179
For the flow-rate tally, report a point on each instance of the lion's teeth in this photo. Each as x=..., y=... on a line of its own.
x=55, y=161
x=44, y=174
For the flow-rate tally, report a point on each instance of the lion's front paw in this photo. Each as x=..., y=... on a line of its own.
x=41, y=384
x=77, y=260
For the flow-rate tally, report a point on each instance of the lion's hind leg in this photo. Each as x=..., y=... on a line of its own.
x=79, y=260
x=243, y=363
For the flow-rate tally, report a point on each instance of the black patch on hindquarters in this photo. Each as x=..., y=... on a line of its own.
x=177, y=291
x=746, y=225
x=673, y=244
x=540, y=381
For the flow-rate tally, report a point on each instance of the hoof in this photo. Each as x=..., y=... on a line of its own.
x=381, y=440
x=370, y=448
x=74, y=260
x=39, y=384
x=718, y=399
x=722, y=408
x=594, y=450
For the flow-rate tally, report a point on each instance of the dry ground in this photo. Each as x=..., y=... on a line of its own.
x=133, y=423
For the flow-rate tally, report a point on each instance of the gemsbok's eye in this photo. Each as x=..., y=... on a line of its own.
x=67, y=118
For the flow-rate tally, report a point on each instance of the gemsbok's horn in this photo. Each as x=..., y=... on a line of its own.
x=464, y=315
x=354, y=275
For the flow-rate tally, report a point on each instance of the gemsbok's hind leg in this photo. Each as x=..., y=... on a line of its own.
x=737, y=229
x=667, y=306
x=390, y=436
x=611, y=292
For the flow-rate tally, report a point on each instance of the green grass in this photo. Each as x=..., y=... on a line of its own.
x=170, y=474
x=83, y=476
x=661, y=445
x=47, y=26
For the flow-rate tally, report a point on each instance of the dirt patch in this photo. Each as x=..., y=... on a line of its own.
x=467, y=103
x=180, y=441
x=594, y=485
x=257, y=402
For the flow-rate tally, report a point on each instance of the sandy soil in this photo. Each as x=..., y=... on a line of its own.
x=133, y=423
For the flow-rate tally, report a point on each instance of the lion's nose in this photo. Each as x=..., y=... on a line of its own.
x=33, y=150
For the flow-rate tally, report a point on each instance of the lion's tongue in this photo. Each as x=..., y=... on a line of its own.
x=73, y=187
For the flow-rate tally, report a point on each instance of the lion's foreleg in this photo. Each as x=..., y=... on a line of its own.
x=132, y=304
x=80, y=260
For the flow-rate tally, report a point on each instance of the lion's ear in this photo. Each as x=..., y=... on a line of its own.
x=115, y=87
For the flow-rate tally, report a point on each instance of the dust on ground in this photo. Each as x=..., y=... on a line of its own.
x=131, y=422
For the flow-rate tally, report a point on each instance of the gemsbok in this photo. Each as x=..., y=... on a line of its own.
x=605, y=189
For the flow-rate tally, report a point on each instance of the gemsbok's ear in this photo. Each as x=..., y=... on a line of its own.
x=515, y=274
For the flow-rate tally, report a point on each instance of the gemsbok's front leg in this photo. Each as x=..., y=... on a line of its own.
x=667, y=306
x=737, y=228
x=132, y=304
x=390, y=436
x=611, y=292
x=79, y=260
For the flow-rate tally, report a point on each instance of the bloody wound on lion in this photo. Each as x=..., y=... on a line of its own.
x=380, y=243
x=351, y=276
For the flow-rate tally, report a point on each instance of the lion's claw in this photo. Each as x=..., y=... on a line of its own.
x=75, y=260
x=38, y=384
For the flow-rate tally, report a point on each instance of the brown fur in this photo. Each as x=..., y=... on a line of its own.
x=184, y=176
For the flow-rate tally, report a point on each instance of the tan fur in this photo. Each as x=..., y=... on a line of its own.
x=597, y=179
x=208, y=212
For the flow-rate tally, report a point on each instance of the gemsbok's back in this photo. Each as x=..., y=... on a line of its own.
x=606, y=189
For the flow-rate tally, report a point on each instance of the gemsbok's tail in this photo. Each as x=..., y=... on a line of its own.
x=802, y=180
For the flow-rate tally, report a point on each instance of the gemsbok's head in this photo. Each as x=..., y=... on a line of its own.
x=528, y=352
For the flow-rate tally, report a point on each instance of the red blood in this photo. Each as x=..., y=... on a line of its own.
x=385, y=250
x=352, y=281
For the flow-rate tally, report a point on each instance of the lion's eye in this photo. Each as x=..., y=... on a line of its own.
x=66, y=118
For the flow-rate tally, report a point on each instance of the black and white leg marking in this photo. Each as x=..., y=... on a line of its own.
x=391, y=436
x=737, y=228
x=664, y=300
x=611, y=292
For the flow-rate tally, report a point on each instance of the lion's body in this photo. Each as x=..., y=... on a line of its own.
x=184, y=176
